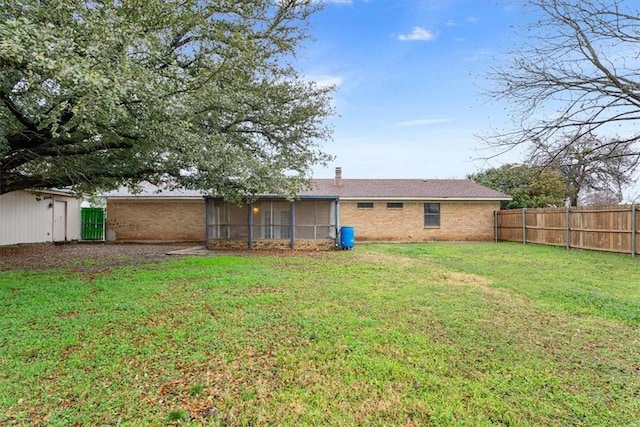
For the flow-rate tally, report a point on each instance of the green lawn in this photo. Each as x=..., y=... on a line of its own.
x=385, y=334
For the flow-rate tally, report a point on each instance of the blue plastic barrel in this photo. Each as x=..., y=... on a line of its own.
x=347, y=237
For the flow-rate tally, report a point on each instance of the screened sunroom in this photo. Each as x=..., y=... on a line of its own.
x=272, y=223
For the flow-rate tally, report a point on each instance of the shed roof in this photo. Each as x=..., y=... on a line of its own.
x=423, y=189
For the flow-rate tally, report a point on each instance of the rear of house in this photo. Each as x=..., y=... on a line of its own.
x=377, y=209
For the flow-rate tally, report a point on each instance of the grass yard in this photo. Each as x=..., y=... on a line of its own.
x=385, y=334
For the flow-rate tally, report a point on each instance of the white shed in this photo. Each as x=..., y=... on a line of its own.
x=45, y=216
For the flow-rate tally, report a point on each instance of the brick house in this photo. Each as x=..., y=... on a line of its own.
x=377, y=209
x=155, y=215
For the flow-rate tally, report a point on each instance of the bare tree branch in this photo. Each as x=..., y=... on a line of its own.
x=578, y=73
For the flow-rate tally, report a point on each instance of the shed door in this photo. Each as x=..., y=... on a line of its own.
x=59, y=221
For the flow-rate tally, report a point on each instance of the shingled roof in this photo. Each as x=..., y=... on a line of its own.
x=357, y=189
x=407, y=189
x=148, y=191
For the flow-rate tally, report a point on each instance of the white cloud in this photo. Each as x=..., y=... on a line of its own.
x=421, y=122
x=325, y=80
x=472, y=20
x=418, y=34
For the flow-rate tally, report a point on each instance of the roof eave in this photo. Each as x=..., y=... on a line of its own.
x=52, y=192
x=276, y=197
x=151, y=198
x=441, y=198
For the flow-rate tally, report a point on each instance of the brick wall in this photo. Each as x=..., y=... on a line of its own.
x=459, y=221
x=184, y=220
x=168, y=220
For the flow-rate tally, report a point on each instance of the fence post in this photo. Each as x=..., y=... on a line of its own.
x=495, y=226
x=568, y=238
x=524, y=226
x=634, y=229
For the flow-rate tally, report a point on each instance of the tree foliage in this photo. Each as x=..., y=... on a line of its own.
x=530, y=187
x=592, y=167
x=201, y=94
x=577, y=73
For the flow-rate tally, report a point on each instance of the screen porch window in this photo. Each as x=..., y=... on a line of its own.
x=432, y=214
x=276, y=224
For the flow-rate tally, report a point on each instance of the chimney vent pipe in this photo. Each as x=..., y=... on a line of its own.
x=338, y=179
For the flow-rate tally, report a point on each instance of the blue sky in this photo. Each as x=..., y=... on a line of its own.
x=409, y=77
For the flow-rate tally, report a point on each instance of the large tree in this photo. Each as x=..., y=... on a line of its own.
x=529, y=186
x=577, y=72
x=202, y=94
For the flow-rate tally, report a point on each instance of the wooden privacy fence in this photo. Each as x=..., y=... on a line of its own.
x=607, y=228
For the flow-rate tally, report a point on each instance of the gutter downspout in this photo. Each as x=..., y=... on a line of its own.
x=337, y=222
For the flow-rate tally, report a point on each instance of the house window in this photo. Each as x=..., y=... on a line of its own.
x=365, y=205
x=432, y=214
x=394, y=205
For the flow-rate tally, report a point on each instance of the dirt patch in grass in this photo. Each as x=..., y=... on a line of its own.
x=96, y=257
x=83, y=257
x=465, y=279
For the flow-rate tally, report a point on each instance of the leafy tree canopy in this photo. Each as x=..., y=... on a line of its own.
x=530, y=187
x=193, y=93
